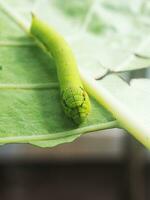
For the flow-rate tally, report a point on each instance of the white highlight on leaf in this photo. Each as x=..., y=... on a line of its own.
x=134, y=61
x=19, y=19
x=128, y=104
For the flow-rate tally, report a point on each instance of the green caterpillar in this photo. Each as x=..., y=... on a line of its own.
x=74, y=99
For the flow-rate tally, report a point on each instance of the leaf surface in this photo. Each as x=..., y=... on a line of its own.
x=103, y=35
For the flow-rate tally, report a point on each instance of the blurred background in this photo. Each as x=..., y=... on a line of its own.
x=109, y=165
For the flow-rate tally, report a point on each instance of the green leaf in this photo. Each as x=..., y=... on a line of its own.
x=104, y=36
x=29, y=97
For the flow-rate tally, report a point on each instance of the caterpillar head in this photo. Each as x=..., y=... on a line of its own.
x=76, y=103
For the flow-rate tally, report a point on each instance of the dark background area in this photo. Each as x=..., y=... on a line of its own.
x=63, y=181
x=79, y=170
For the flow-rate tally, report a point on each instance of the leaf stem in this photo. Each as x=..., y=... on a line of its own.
x=14, y=16
x=54, y=136
x=29, y=86
x=120, y=111
x=22, y=23
x=14, y=44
